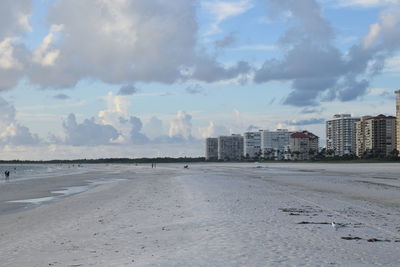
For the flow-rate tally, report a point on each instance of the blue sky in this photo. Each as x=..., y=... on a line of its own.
x=90, y=79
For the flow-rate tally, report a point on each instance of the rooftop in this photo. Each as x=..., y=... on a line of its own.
x=303, y=134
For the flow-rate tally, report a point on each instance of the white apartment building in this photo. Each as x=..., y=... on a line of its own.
x=397, y=120
x=230, y=147
x=252, y=144
x=341, y=135
x=211, y=148
x=273, y=143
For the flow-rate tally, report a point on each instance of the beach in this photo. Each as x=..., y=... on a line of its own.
x=214, y=214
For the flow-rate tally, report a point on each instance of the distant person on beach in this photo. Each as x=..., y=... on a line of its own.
x=7, y=174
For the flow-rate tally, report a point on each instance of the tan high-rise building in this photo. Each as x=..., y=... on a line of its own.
x=303, y=146
x=375, y=136
x=398, y=119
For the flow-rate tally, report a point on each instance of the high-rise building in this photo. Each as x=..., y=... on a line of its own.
x=341, y=135
x=252, y=144
x=230, y=147
x=303, y=146
x=211, y=148
x=273, y=143
x=398, y=119
x=375, y=136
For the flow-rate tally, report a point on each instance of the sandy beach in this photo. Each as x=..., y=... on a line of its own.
x=208, y=215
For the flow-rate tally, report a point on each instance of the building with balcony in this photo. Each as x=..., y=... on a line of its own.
x=273, y=143
x=398, y=120
x=341, y=135
x=303, y=146
x=252, y=144
x=230, y=147
x=211, y=148
x=375, y=136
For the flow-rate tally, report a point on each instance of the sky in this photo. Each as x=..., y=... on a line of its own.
x=153, y=78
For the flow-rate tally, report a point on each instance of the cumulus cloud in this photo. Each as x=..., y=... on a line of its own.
x=120, y=41
x=17, y=135
x=45, y=55
x=181, y=126
x=209, y=70
x=7, y=113
x=117, y=107
x=154, y=127
x=136, y=136
x=14, y=16
x=88, y=133
x=11, y=132
x=213, y=130
x=317, y=69
x=11, y=68
x=7, y=59
x=14, y=23
x=128, y=45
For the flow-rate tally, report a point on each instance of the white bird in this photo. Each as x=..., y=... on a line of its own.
x=335, y=226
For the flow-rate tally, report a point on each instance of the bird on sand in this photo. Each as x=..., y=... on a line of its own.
x=335, y=226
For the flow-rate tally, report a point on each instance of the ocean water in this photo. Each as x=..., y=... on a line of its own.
x=20, y=172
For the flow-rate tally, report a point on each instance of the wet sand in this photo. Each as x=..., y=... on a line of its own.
x=214, y=214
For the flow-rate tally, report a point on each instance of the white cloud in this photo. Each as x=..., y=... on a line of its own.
x=7, y=59
x=14, y=17
x=117, y=109
x=44, y=54
x=392, y=64
x=212, y=130
x=154, y=127
x=181, y=126
x=24, y=22
x=88, y=133
x=11, y=132
x=119, y=42
x=365, y=3
x=13, y=24
x=373, y=33
x=223, y=10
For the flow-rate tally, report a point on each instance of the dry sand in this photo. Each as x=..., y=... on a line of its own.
x=214, y=215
